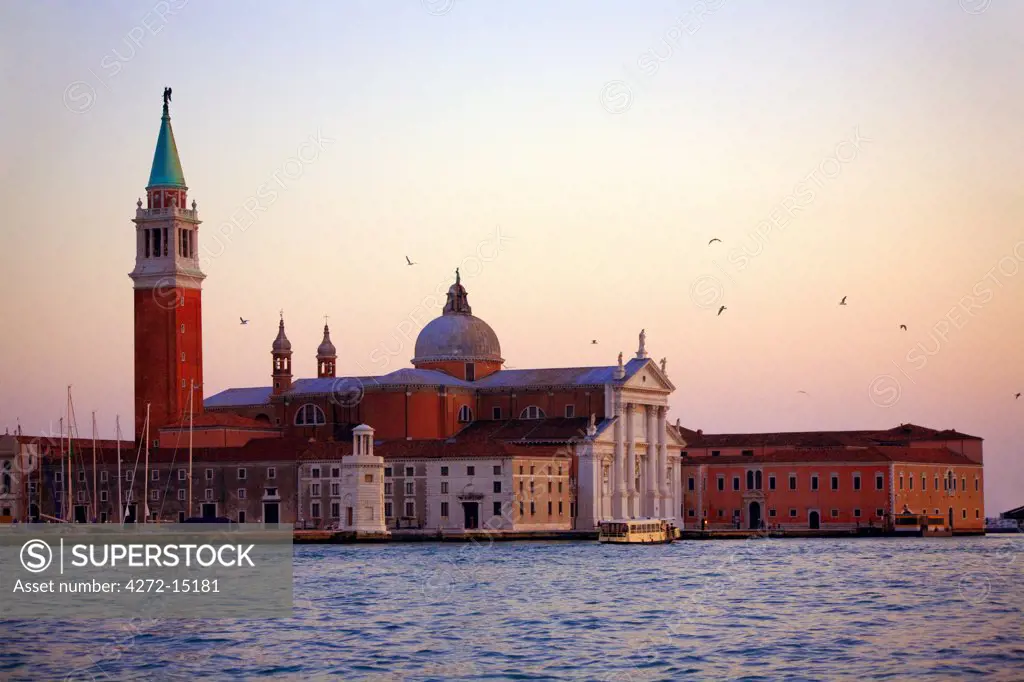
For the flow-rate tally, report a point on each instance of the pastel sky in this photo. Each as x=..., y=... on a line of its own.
x=437, y=128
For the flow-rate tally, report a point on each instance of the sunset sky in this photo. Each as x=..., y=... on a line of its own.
x=605, y=169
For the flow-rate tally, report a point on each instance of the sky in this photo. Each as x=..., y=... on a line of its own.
x=573, y=159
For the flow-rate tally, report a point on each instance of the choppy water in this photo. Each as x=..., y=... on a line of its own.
x=906, y=609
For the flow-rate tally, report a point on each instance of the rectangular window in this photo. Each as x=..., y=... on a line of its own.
x=154, y=494
x=901, y=481
x=835, y=513
x=444, y=471
x=470, y=371
x=181, y=494
x=771, y=482
x=387, y=488
x=497, y=509
x=856, y=481
x=388, y=510
x=977, y=513
x=128, y=475
x=209, y=494
x=335, y=489
x=792, y=482
x=963, y=483
x=835, y=482
x=856, y=513
x=559, y=507
x=387, y=472
x=470, y=471
x=690, y=483
x=735, y=482
x=241, y=493
x=936, y=482
x=721, y=482
x=879, y=512
x=271, y=472
x=314, y=490
x=103, y=496
x=367, y=478
x=103, y=477
x=335, y=510
x=209, y=474
x=716, y=453
x=410, y=508
x=314, y=510
x=81, y=477
x=410, y=471
x=495, y=413
x=814, y=481
x=497, y=486
x=444, y=510
x=559, y=486
x=409, y=488
x=879, y=481
x=533, y=508
x=335, y=472
x=549, y=508
x=910, y=481
x=181, y=475
x=444, y=487
x=570, y=411
x=241, y=474
x=748, y=453
x=964, y=513
x=146, y=234
x=521, y=513
x=315, y=472
x=165, y=240
x=154, y=475
x=497, y=470
x=691, y=512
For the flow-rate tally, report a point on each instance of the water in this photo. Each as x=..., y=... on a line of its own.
x=900, y=609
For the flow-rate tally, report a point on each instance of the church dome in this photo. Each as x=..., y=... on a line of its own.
x=457, y=334
x=326, y=349
x=281, y=343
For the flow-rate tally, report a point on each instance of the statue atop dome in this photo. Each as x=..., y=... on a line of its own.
x=458, y=300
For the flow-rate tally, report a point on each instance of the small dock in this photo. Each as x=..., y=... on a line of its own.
x=335, y=537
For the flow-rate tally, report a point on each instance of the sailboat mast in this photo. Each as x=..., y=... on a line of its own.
x=117, y=434
x=59, y=512
x=95, y=488
x=145, y=481
x=71, y=466
x=191, y=394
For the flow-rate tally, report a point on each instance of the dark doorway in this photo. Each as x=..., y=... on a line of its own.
x=472, y=510
x=814, y=520
x=348, y=516
x=33, y=512
x=209, y=510
x=270, y=513
x=951, y=518
x=80, y=513
x=755, y=515
x=181, y=517
x=130, y=516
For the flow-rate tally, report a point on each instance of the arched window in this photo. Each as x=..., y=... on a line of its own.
x=758, y=480
x=309, y=415
x=465, y=414
x=262, y=418
x=532, y=412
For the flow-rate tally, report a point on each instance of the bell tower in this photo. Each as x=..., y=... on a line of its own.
x=168, y=292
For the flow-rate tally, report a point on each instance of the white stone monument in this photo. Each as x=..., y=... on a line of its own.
x=363, y=486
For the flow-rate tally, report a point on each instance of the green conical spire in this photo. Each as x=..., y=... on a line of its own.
x=166, y=165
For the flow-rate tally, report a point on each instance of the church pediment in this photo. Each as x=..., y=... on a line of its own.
x=647, y=375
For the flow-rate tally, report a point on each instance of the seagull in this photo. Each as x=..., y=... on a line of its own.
x=716, y=239
x=843, y=302
x=903, y=327
x=804, y=392
x=243, y=321
x=409, y=262
x=1016, y=396
x=721, y=309
x=594, y=342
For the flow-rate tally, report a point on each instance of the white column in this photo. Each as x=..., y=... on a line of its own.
x=588, y=493
x=619, y=465
x=664, y=489
x=631, y=490
x=651, y=487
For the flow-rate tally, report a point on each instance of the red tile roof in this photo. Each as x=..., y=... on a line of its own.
x=863, y=438
x=220, y=419
x=878, y=454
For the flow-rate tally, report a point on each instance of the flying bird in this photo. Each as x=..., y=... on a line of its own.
x=903, y=327
x=594, y=342
x=716, y=239
x=843, y=302
x=409, y=261
x=243, y=321
x=1016, y=396
x=721, y=309
x=804, y=392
